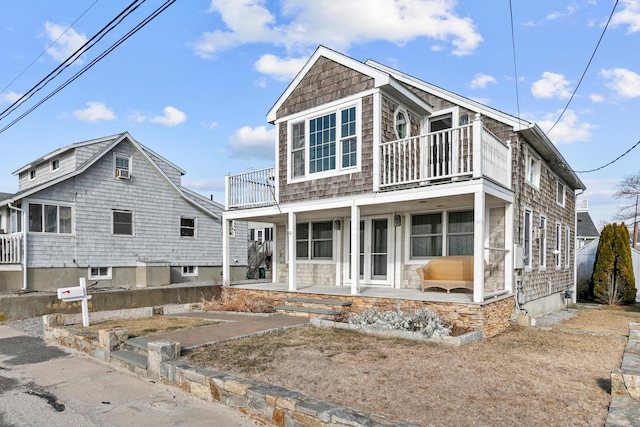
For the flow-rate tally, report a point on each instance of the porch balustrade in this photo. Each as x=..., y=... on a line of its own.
x=11, y=248
x=251, y=189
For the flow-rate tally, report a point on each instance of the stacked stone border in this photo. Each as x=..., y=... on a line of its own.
x=625, y=383
x=272, y=404
x=490, y=318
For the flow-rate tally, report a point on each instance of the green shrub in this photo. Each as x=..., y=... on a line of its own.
x=613, y=279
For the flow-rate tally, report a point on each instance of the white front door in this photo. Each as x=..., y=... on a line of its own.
x=375, y=248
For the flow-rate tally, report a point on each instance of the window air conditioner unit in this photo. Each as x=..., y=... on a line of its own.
x=122, y=174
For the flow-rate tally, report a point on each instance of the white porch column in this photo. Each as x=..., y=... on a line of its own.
x=355, y=250
x=478, y=245
x=509, y=244
x=337, y=249
x=226, y=268
x=477, y=146
x=291, y=236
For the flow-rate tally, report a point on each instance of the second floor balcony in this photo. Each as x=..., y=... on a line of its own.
x=464, y=152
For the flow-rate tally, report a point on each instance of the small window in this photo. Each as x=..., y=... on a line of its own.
x=189, y=270
x=297, y=149
x=527, y=238
x=32, y=174
x=232, y=228
x=401, y=123
x=122, y=166
x=187, y=227
x=557, y=251
x=100, y=273
x=123, y=223
x=560, y=194
x=533, y=171
x=542, y=242
x=55, y=165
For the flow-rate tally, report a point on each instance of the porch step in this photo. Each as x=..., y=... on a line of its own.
x=137, y=345
x=332, y=309
x=130, y=360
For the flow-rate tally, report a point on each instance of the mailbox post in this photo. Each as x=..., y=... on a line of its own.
x=77, y=293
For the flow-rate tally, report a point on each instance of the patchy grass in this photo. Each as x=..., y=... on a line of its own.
x=524, y=376
x=148, y=325
x=239, y=302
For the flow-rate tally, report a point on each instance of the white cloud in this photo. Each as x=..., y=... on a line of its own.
x=204, y=185
x=596, y=97
x=95, y=111
x=551, y=85
x=338, y=24
x=172, y=117
x=258, y=142
x=629, y=15
x=10, y=97
x=481, y=81
x=66, y=43
x=569, y=129
x=571, y=9
x=624, y=82
x=280, y=69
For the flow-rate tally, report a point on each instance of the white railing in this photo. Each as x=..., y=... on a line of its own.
x=251, y=189
x=465, y=151
x=11, y=248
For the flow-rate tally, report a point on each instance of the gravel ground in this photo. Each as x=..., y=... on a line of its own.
x=33, y=326
x=556, y=317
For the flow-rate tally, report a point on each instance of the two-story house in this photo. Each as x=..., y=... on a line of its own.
x=113, y=211
x=378, y=173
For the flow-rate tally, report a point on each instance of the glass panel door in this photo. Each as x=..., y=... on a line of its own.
x=379, y=249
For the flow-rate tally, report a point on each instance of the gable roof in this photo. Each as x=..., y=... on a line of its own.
x=585, y=225
x=109, y=143
x=382, y=80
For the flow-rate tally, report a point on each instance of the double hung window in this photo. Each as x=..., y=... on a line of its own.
x=434, y=234
x=187, y=227
x=324, y=143
x=123, y=223
x=314, y=240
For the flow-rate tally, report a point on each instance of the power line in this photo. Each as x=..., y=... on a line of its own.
x=131, y=32
x=73, y=57
x=612, y=161
x=515, y=66
x=48, y=47
x=586, y=68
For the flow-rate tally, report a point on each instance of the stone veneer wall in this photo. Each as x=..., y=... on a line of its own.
x=490, y=318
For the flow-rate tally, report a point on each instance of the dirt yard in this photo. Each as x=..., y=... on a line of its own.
x=557, y=375
x=148, y=325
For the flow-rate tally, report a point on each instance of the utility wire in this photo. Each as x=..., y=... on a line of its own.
x=612, y=161
x=131, y=32
x=586, y=68
x=73, y=57
x=48, y=47
x=515, y=66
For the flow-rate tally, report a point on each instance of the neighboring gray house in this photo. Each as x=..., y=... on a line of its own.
x=112, y=211
x=586, y=231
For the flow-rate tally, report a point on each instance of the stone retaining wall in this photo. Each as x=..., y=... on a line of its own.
x=491, y=318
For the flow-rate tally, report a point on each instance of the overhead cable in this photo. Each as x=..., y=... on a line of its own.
x=131, y=32
x=612, y=161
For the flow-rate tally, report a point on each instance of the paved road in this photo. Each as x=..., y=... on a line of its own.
x=48, y=385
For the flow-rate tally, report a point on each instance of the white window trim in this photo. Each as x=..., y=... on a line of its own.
x=130, y=159
x=133, y=223
x=194, y=273
x=53, y=170
x=535, y=180
x=542, y=243
x=309, y=259
x=557, y=252
x=567, y=247
x=401, y=110
x=444, y=217
x=195, y=227
x=528, y=262
x=51, y=203
x=313, y=114
x=564, y=193
x=107, y=276
x=33, y=174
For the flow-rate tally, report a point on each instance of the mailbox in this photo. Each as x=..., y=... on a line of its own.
x=75, y=292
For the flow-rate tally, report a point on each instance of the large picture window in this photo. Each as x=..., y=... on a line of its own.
x=433, y=234
x=49, y=218
x=324, y=143
x=314, y=240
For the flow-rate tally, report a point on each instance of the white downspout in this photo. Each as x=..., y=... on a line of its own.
x=24, y=245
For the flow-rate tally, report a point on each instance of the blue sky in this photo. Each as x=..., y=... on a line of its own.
x=195, y=84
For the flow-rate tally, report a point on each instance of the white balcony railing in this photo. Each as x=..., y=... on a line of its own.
x=443, y=155
x=11, y=248
x=251, y=189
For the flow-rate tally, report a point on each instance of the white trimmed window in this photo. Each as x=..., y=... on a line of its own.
x=325, y=143
x=189, y=270
x=557, y=252
x=121, y=166
x=534, y=166
x=567, y=247
x=433, y=234
x=314, y=240
x=122, y=222
x=100, y=273
x=55, y=165
x=542, y=236
x=401, y=123
x=50, y=218
x=187, y=227
x=527, y=237
x=32, y=174
x=560, y=194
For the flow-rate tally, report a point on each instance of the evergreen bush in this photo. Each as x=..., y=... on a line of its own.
x=612, y=278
